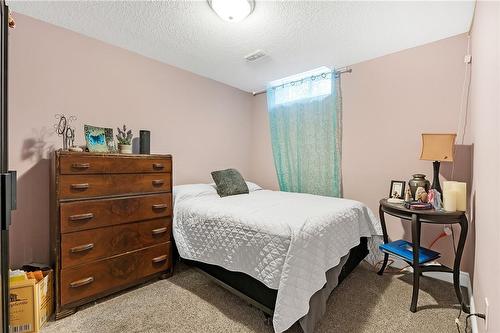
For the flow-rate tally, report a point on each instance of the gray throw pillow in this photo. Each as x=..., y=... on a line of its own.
x=229, y=182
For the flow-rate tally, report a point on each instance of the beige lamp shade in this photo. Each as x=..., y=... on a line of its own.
x=437, y=147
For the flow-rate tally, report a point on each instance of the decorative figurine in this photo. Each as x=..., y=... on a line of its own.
x=434, y=197
x=438, y=202
x=70, y=137
x=431, y=196
x=419, y=192
x=63, y=129
x=408, y=196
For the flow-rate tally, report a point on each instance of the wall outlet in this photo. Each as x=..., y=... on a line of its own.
x=447, y=230
x=486, y=313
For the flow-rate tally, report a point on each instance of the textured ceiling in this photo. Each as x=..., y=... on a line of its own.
x=296, y=35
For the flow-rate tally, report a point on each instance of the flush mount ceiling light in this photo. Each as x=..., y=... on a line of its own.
x=232, y=10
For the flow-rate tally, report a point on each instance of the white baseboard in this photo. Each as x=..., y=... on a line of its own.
x=447, y=277
x=473, y=319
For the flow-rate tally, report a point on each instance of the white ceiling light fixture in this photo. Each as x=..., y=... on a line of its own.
x=232, y=10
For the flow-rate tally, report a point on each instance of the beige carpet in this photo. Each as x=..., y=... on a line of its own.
x=190, y=302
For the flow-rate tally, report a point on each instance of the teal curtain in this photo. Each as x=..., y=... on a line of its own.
x=305, y=120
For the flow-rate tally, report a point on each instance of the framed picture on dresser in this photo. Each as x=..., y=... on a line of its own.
x=99, y=139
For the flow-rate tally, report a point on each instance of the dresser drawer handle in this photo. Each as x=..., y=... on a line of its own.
x=82, y=282
x=81, y=166
x=160, y=206
x=80, y=217
x=82, y=248
x=159, y=259
x=158, y=166
x=159, y=231
x=82, y=186
x=158, y=182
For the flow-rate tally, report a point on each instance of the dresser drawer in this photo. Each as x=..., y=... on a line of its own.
x=89, y=280
x=95, y=164
x=156, y=259
x=85, y=186
x=86, y=246
x=89, y=214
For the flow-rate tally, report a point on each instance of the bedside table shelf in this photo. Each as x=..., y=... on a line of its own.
x=404, y=251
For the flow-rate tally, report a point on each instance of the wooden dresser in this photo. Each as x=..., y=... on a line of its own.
x=111, y=224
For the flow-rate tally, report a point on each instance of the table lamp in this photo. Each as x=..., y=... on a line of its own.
x=437, y=148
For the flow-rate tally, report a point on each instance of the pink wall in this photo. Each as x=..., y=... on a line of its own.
x=485, y=109
x=388, y=103
x=203, y=123
x=206, y=125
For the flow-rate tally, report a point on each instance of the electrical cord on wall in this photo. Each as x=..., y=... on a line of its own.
x=463, y=115
x=466, y=329
x=464, y=100
x=479, y=315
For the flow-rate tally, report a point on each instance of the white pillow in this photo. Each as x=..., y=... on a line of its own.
x=181, y=192
x=253, y=187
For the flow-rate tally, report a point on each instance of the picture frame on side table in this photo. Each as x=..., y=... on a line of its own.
x=397, y=189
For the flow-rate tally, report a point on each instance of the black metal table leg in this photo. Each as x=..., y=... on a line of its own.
x=456, y=265
x=384, y=264
x=415, y=235
x=386, y=239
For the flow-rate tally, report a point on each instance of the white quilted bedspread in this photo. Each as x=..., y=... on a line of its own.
x=285, y=240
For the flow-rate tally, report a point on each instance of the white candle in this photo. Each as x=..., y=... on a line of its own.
x=448, y=185
x=460, y=195
x=450, y=200
x=461, y=189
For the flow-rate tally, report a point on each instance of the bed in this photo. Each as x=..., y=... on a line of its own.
x=283, y=251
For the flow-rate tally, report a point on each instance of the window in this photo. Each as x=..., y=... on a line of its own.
x=310, y=84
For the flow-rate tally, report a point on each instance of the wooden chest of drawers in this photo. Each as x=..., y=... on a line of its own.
x=111, y=224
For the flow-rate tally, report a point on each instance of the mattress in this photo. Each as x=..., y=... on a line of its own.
x=288, y=241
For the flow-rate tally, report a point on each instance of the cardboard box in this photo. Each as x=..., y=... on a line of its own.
x=31, y=304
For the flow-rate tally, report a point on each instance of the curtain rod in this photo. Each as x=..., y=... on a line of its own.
x=342, y=70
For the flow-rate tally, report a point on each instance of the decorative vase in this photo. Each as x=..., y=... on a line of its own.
x=144, y=139
x=125, y=149
x=417, y=181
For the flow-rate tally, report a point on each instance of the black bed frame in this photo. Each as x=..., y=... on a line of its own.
x=255, y=291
